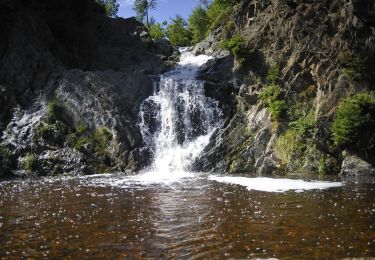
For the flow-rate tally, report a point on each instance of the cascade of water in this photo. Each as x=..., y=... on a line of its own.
x=177, y=121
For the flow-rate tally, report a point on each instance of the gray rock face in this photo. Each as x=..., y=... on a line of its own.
x=354, y=166
x=98, y=69
x=307, y=39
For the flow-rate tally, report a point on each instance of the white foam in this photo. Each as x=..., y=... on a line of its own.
x=275, y=185
x=177, y=121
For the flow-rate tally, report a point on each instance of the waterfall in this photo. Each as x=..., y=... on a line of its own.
x=178, y=119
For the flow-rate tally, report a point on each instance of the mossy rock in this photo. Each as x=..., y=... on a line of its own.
x=30, y=162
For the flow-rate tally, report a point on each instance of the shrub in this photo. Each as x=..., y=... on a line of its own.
x=353, y=66
x=302, y=120
x=156, y=31
x=277, y=109
x=5, y=157
x=30, y=162
x=99, y=140
x=271, y=97
x=270, y=94
x=81, y=128
x=44, y=131
x=110, y=7
x=237, y=46
x=287, y=144
x=273, y=75
x=354, y=123
x=54, y=110
x=219, y=12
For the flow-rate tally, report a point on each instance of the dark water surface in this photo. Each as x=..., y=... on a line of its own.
x=109, y=217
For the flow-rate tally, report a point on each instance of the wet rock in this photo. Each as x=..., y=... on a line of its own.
x=352, y=165
x=98, y=68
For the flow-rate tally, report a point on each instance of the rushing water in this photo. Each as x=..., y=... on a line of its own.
x=178, y=120
x=169, y=212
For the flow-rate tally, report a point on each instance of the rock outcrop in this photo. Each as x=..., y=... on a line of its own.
x=309, y=44
x=71, y=83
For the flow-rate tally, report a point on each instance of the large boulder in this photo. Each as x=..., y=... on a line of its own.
x=352, y=165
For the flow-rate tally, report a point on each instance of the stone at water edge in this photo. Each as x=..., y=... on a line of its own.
x=352, y=165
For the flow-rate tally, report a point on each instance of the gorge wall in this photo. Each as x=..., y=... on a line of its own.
x=71, y=83
x=309, y=55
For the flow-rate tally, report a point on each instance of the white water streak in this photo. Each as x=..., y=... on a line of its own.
x=275, y=185
x=178, y=120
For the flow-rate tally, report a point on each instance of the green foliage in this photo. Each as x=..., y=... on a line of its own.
x=110, y=6
x=54, y=110
x=5, y=157
x=142, y=8
x=270, y=94
x=101, y=139
x=271, y=97
x=81, y=128
x=177, y=32
x=156, y=31
x=44, y=131
x=30, y=162
x=198, y=22
x=277, y=109
x=98, y=140
x=229, y=27
x=273, y=75
x=237, y=46
x=302, y=120
x=354, y=123
x=287, y=144
x=322, y=168
x=353, y=66
x=219, y=12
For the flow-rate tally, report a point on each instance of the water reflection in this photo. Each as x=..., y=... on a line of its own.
x=195, y=218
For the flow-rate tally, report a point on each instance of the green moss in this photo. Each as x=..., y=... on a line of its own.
x=81, y=127
x=354, y=124
x=54, y=110
x=99, y=140
x=5, y=156
x=30, y=162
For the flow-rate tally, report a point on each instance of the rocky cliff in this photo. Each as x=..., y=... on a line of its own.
x=292, y=63
x=71, y=82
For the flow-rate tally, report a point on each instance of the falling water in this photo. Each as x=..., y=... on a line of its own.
x=177, y=121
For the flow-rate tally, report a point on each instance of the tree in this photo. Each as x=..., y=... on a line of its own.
x=111, y=7
x=142, y=8
x=205, y=3
x=198, y=24
x=156, y=31
x=178, y=33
